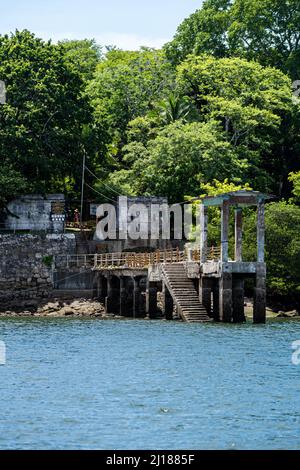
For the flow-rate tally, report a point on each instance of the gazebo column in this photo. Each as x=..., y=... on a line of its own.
x=203, y=232
x=261, y=232
x=259, y=308
x=225, y=285
x=238, y=234
x=224, y=231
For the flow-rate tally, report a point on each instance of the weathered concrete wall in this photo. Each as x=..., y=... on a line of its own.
x=73, y=279
x=136, y=208
x=33, y=212
x=25, y=264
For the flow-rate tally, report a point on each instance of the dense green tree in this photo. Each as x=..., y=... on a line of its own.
x=84, y=54
x=205, y=31
x=173, y=108
x=41, y=124
x=282, y=248
x=11, y=183
x=178, y=160
x=251, y=102
x=126, y=86
x=267, y=31
x=295, y=179
x=263, y=30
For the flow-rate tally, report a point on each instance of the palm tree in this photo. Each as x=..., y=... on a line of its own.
x=173, y=108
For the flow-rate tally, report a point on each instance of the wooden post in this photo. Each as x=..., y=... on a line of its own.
x=203, y=233
x=224, y=231
x=238, y=233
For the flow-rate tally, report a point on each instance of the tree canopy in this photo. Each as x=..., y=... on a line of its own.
x=262, y=30
x=41, y=124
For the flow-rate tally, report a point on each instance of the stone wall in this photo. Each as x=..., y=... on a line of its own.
x=26, y=264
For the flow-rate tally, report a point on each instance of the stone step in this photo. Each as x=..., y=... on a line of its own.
x=184, y=294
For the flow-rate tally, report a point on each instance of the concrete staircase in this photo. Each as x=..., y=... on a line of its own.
x=184, y=293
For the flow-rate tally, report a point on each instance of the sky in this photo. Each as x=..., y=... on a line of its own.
x=127, y=24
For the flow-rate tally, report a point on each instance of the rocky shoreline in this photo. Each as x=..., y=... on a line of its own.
x=59, y=308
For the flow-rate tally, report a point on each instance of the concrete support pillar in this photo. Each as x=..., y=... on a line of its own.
x=142, y=301
x=216, y=301
x=138, y=309
x=261, y=232
x=151, y=300
x=238, y=234
x=224, y=231
x=113, y=296
x=238, y=300
x=203, y=233
x=101, y=287
x=259, y=307
x=167, y=303
x=225, y=298
x=205, y=293
x=123, y=297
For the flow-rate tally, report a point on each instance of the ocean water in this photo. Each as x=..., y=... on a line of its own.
x=94, y=384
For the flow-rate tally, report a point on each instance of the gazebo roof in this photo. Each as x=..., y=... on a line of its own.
x=239, y=198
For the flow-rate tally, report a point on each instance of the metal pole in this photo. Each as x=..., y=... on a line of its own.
x=82, y=185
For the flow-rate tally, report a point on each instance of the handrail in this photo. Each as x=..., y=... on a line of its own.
x=132, y=259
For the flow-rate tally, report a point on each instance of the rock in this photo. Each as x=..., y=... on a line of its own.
x=66, y=311
x=291, y=314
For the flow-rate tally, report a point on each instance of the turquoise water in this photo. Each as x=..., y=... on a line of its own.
x=91, y=384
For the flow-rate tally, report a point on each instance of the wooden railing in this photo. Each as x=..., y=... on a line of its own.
x=131, y=260
x=213, y=253
x=138, y=260
x=74, y=261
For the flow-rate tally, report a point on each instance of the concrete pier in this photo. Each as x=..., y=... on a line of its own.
x=112, y=300
x=205, y=292
x=202, y=283
x=168, y=303
x=225, y=297
x=238, y=314
x=259, y=306
x=151, y=300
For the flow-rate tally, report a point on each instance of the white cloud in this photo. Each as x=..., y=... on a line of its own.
x=122, y=40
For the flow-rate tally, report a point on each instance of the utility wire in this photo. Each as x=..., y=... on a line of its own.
x=101, y=194
x=104, y=184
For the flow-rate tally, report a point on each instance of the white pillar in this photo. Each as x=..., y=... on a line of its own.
x=238, y=234
x=203, y=233
x=261, y=232
x=224, y=231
